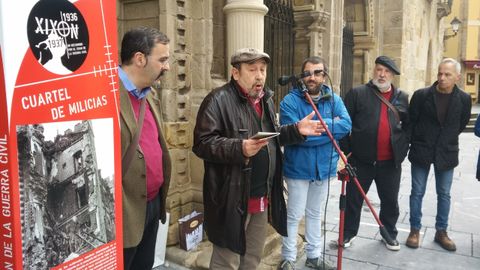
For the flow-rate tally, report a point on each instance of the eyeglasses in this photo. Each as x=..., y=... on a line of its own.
x=318, y=72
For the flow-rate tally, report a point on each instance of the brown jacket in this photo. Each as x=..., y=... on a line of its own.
x=134, y=185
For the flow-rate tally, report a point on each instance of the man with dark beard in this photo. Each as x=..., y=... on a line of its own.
x=310, y=165
x=145, y=159
x=242, y=187
x=378, y=144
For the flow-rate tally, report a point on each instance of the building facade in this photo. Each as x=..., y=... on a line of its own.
x=66, y=205
x=465, y=44
x=410, y=32
x=349, y=34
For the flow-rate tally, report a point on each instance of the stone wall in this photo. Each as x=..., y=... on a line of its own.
x=318, y=32
x=422, y=45
x=189, y=25
x=406, y=31
x=185, y=86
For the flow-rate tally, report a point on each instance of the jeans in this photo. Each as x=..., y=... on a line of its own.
x=443, y=183
x=305, y=198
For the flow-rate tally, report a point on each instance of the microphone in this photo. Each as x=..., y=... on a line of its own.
x=284, y=80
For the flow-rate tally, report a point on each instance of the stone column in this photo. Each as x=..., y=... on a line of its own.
x=336, y=44
x=245, y=25
x=317, y=29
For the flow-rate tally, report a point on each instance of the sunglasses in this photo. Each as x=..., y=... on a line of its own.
x=316, y=72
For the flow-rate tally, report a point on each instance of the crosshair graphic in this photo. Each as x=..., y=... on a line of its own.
x=108, y=68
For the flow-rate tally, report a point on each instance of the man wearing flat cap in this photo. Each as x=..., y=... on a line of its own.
x=377, y=145
x=242, y=187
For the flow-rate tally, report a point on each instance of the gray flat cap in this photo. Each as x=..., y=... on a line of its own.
x=248, y=55
x=387, y=62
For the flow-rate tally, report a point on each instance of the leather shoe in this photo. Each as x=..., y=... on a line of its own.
x=413, y=239
x=444, y=241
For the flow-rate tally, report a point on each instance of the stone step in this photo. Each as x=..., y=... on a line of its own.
x=272, y=242
x=471, y=124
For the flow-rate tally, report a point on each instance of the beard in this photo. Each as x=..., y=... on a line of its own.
x=313, y=87
x=254, y=91
x=382, y=86
x=253, y=94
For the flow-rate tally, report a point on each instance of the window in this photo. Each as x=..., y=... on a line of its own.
x=77, y=161
x=82, y=198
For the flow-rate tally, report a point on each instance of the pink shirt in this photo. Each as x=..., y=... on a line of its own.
x=152, y=151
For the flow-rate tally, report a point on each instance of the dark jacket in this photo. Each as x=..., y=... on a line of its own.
x=224, y=119
x=477, y=133
x=364, y=108
x=430, y=142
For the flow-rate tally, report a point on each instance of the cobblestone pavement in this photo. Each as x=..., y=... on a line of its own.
x=368, y=252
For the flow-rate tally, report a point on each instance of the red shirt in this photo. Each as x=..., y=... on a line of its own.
x=255, y=205
x=384, y=145
x=152, y=151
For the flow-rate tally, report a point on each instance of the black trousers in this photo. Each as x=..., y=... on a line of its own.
x=142, y=257
x=387, y=180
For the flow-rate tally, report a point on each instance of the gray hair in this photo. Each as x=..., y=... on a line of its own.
x=458, y=67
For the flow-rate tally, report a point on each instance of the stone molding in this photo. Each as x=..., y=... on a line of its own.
x=443, y=8
x=310, y=26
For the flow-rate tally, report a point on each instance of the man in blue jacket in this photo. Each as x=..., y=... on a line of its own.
x=309, y=165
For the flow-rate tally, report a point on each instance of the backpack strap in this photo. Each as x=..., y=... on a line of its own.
x=389, y=105
x=127, y=159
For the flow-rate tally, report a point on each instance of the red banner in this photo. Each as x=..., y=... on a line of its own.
x=473, y=64
x=59, y=136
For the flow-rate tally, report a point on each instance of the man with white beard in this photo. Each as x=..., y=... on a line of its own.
x=377, y=145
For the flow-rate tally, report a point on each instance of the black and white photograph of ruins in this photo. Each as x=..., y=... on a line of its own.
x=66, y=189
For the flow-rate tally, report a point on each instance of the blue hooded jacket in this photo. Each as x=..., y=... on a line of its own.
x=310, y=160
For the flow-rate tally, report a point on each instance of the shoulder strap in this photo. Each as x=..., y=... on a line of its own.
x=389, y=105
x=127, y=159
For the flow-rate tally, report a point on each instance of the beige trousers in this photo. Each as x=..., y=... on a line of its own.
x=255, y=228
